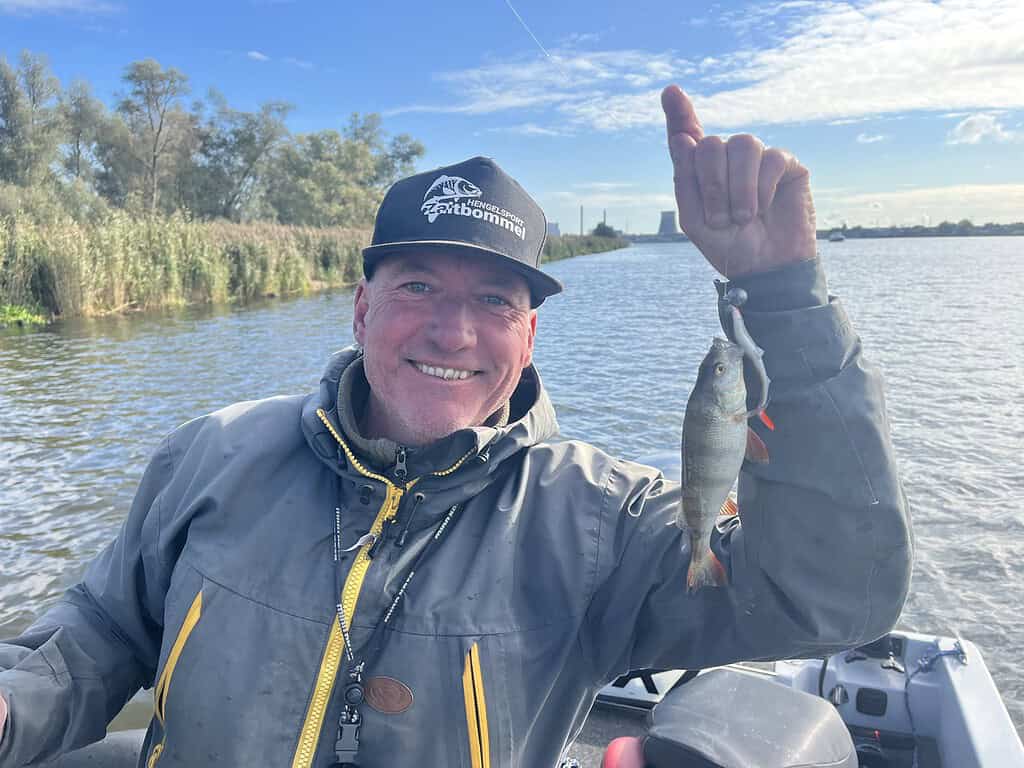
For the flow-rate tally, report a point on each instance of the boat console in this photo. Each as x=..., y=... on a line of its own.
x=719, y=721
x=907, y=699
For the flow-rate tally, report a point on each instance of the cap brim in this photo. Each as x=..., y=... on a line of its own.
x=540, y=283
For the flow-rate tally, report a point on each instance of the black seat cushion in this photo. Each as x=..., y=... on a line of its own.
x=729, y=719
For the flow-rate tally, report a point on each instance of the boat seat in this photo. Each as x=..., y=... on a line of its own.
x=729, y=719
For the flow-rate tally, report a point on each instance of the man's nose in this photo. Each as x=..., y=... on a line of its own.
x=452, y=327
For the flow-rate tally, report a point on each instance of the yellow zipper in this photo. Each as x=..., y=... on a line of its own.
x=331, y=660
x=476, y=710
x=163, y=685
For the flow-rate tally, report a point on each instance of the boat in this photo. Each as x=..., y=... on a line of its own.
x=836, y=236
x=906, y=699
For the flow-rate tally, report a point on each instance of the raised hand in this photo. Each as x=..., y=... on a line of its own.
x=3, y=716
x=747, y=208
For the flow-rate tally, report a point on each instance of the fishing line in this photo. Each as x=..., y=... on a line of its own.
x=528, y=31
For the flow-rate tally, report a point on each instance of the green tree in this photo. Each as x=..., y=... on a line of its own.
x=156, y=121
x=84, y=119
x=331, y=179
x=13, y=125
x=603, y=230
x=118, y=177
x=392, y=160
x=30, y=121
x=234, y=149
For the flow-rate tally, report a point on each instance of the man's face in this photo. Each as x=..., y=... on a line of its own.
x=445, y=340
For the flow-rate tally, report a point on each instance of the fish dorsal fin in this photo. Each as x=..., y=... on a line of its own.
x=729, y=508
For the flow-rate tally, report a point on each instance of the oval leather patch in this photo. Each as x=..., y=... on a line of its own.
x=387, y=695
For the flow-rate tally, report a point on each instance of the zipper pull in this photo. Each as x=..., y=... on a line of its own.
x=385, y=534
x=400, y=470
x=417, y=498
x=366, y=538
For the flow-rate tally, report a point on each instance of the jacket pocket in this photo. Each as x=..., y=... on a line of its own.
x=164, y=683
x=476, y=710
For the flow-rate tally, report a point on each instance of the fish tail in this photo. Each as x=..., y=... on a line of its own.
x=705, y=571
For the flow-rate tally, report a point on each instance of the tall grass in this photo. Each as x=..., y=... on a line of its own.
x=115, y=261
x=120, y=262
x=566, y=246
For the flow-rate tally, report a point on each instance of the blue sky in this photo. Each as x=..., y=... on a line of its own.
x=905, y=112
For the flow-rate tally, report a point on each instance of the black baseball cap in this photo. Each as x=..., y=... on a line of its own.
x=471, y=207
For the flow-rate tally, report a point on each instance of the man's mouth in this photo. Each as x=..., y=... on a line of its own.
x=448, y=374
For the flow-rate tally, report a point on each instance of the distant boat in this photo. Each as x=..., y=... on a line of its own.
x=835, y=236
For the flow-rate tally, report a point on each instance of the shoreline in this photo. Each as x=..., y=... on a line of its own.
x=123, y=266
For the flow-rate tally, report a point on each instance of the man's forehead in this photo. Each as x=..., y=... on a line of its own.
x=481, y=267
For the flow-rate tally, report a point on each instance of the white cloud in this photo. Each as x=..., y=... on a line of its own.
x=619, y=200
x=300, y=63
x=29, y=7
x=977, y=128
x=603, y=186
x=823, y=61
x=981, y=203
x=528, y=129
x=580, y=38
x=865, y=138
x=575, y=84
x=257, y=56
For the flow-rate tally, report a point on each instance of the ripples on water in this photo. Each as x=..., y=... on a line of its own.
x=84, y=404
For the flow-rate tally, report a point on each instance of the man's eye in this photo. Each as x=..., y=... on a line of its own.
x=497, y=301
x=416, y=287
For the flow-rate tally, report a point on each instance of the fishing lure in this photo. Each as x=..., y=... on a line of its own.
x=730, y=302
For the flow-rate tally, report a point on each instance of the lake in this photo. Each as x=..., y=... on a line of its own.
x=84, y=403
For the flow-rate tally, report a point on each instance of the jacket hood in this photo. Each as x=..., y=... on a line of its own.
x=531, y=421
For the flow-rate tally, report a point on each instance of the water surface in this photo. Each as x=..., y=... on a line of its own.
x=84, y=404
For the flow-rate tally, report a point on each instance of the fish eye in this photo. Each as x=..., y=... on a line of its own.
x=719, y=369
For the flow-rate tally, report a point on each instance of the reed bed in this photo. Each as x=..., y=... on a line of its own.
x=120, y=262
x=116, y=262
x=566, y=246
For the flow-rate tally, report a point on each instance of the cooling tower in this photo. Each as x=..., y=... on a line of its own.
x=669, y=225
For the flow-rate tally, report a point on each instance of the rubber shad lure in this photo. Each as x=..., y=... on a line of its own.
x=716, y=439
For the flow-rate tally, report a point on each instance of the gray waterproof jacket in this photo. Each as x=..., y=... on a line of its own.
x=560, y=572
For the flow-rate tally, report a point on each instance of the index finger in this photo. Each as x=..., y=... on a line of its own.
x=680, y=116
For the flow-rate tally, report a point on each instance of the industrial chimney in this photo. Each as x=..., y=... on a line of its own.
x=669, y=224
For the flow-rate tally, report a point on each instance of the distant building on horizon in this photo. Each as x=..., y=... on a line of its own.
x=669, y=224
x=553, y=230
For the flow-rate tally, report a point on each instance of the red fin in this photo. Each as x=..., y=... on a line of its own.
x=729, y=508
x=718, y=572
x=706, y=572
x=757, y=451
x=767, y=420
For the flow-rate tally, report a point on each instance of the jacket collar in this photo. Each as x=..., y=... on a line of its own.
x=531, y=420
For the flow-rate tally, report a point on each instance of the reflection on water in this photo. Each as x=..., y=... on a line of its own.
x=83, y=405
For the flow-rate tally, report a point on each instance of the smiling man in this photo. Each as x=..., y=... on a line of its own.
x=446, y=338
x=410, y=567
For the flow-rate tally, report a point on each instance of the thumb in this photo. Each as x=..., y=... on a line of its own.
x=680, y=115
x=3, y=716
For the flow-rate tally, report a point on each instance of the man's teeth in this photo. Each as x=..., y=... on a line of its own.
x=443, y=373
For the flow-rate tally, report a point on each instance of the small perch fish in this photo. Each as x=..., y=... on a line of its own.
x=715, y=439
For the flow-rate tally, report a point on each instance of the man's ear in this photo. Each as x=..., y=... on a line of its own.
x=361, y=306
x=533, y=335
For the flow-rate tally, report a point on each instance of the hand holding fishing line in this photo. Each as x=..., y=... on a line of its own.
x=3, y=716
x=747, y=208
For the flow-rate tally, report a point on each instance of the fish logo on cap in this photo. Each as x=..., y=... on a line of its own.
x=443, y=192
